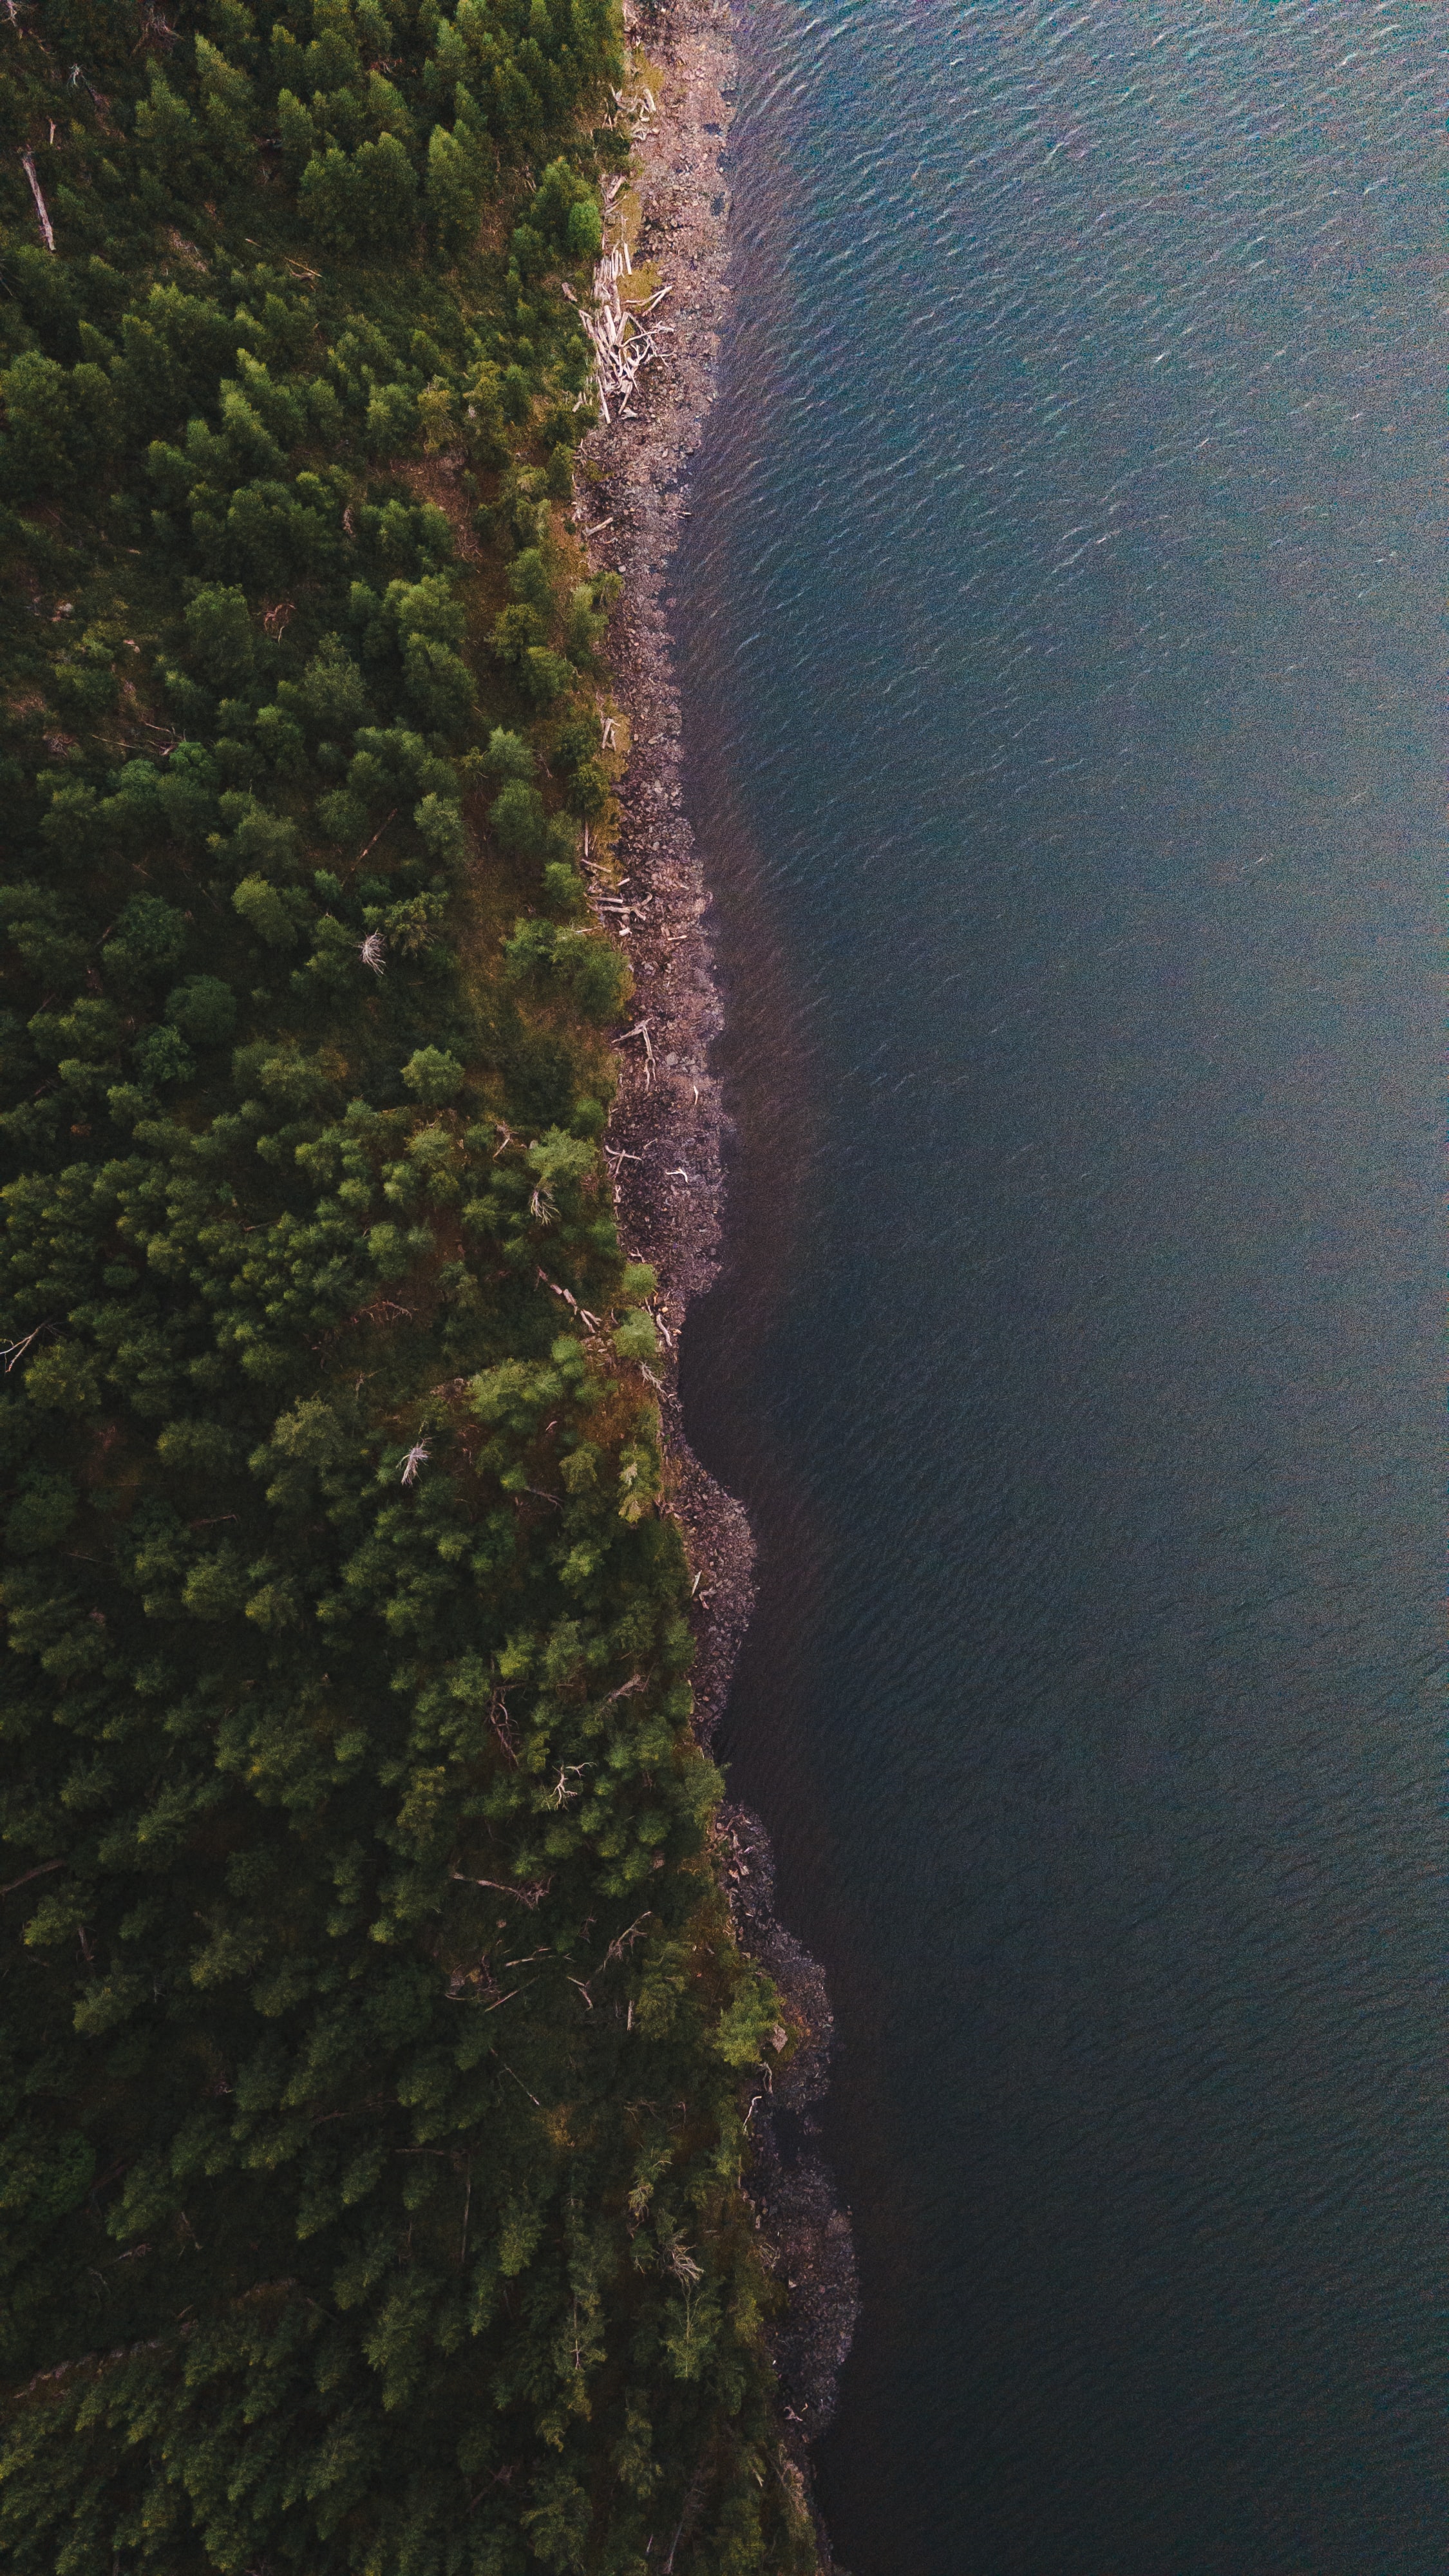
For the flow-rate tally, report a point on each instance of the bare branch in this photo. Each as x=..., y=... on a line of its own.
x=635, y=1932
x=10, y=1352
x=43, y=1871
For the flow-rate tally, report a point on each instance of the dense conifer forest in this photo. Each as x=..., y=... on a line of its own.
x=374, y=2042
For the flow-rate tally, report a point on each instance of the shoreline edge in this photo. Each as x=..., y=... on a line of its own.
x=668, y=1124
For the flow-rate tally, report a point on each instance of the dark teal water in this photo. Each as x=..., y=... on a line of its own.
x=1062, y=627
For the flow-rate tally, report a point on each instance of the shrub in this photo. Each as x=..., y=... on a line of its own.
x=434, y=1075
x=219, y=635
x=162, y=1055
x=204, y=1009
x=509, y=756
x=264, y=912
x=148, y=939
x=518, y=819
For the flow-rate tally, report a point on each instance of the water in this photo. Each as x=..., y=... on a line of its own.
x=1061, y=622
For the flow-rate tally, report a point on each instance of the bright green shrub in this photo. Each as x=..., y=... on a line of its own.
x=263, y=910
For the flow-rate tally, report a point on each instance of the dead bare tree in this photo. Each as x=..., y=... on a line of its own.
x=27, y=164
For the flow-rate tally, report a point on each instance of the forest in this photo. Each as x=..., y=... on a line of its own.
x=376, y=2051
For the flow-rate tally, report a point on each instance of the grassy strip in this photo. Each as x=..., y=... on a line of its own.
x=373, y=2034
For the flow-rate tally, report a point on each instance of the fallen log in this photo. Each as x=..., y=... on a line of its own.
x=27, y=164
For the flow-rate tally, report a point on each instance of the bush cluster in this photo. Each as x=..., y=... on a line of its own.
x=373, y=2035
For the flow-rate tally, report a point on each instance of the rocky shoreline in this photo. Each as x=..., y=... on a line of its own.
x=666, y=1132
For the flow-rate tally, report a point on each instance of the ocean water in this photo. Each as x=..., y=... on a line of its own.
x=1061, y=621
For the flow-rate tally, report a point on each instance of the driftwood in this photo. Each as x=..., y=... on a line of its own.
x=584, y=1315
x=621, y=344
x=642, y=1031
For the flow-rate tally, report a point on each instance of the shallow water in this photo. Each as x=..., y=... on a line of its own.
x=1061, y=630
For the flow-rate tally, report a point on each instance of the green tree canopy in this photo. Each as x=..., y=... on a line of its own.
x=374, y=2040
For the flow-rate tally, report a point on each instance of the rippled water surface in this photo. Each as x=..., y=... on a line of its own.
x=1061, y=617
